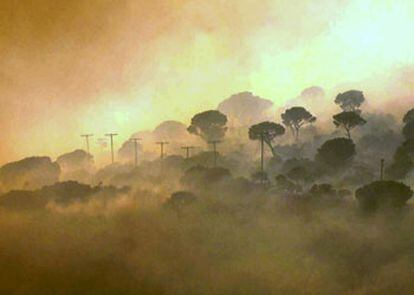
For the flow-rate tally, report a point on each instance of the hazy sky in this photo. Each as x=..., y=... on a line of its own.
x=99, y=66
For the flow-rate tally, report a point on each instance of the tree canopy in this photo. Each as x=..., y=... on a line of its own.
x=75, y=160
x=336, y=152
x=179, y=200
x=348, y=121
x=409, y=116
x=403, y=161
x=296, y=117
x=350, y=101
x=408, y=130
x=383, y=194
x=209, y=125
x=267, y=131
x=29, y=173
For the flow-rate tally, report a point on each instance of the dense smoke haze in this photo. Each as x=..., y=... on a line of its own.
x=98, y=66
x=207, y=147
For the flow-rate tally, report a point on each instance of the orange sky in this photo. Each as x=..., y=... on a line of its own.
x=98, y=66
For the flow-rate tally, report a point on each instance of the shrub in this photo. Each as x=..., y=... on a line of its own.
x=383, y=194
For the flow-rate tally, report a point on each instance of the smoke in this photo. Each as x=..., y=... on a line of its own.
x=173, y=132
x=59, y=57
x=214, y=246
x=183, y=226
x=97, y=66
x=68, y=67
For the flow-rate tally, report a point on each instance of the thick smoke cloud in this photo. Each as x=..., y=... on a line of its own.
x=173, y=132
x=213, y=223
x=69, y=67
x=246, y=109
x=57, y=56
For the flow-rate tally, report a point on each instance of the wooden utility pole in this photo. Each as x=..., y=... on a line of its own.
x=86, y=136
x=261, y=154
x=162, y=143
x=187, y=150
x=111, y=136
x=135, y=141
x=214, y=144
x=382, y=169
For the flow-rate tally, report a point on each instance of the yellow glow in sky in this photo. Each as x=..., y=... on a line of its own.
x=208, y=51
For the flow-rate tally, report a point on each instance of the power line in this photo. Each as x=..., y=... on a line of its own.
x=187, y=150
x=86, y=136
x=135, y=141
x=111, y=136
x=162, y=143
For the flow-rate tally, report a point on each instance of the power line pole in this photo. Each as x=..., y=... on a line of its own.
x=187, y=150
x=86, y=136
x=135, y=141
x=111, y=136
x=261, y=155
x=162, y=143
x=382, y=169
x=214, y=143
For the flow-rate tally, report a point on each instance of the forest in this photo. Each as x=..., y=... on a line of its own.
x=242, y=199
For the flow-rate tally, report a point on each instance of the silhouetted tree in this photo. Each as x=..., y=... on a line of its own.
x=350, y=101
x=76, y=165
x=29, y=173
x=75, y=160
x=348, y=121
x=267, y=131
x=209, y=125
x=200, y=178
x=295, y=118
x=403, y=161
x=409, y=116
x=62, y=193
x=408, y=130
x=336, y=152
x=179, y=200
x=383, y=194
x=68, y=191
x=383, y=142
x=408, y=145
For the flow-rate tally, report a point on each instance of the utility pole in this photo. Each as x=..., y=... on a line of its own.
x=86, y=136
x=214, y=143
x=111, y=136
x=162, y=143
x=382, y=169
x=261, y=155
x=187, y=150
x=135, y=141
